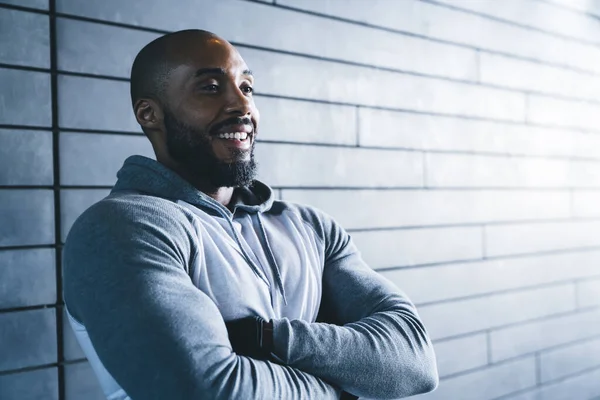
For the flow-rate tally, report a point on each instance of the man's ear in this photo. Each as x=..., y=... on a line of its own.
x=149, y=115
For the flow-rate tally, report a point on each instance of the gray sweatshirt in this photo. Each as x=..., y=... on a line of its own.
x=152, y=271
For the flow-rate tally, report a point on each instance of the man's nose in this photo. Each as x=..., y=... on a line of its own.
x=238, y=103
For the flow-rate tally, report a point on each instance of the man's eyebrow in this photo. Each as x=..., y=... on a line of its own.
x=217, y=71
x=209, y=71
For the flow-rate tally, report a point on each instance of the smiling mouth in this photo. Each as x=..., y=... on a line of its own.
x=241, y=136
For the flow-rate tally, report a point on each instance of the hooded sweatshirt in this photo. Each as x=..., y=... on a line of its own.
x=152, y=271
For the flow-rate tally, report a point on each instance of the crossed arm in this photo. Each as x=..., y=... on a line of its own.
x=160, y=337
x=370, y=341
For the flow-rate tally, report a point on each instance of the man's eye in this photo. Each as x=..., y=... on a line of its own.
x=248, y=89
x=210, y=88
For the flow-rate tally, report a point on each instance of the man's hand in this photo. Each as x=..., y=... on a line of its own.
x=251, y=337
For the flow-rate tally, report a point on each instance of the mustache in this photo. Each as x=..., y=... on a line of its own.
x=232, y=121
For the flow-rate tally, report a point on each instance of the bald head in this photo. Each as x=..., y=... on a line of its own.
x=153, y=64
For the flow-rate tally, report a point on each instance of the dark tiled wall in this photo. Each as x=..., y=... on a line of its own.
x=457, y=142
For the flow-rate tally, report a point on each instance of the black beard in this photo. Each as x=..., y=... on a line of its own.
x=191, y=148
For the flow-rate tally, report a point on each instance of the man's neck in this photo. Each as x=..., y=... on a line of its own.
x=221, y=194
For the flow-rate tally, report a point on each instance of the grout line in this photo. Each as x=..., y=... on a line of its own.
x=489, y=259
x=357, y=133
x=538, y=368
x=280, y=51
x=488, y=341
x=500, y=292
x=564, y=7
x=476, y=82
x=23, y=8
x=340, y=103
x=56, y=188
x=549, y=383
x=42, y=367
x=484, y=250
x=513, y=23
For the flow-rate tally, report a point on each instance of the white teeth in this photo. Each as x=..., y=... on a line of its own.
x=236, y=135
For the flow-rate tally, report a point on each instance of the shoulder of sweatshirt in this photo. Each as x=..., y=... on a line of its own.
x=130, y=210
x=124, y=224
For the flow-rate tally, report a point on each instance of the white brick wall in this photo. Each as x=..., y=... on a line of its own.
x=457, y=141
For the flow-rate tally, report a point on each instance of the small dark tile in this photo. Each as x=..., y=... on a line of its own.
x=25, y=98
x=24, y=38
x=27, y=278
x=80, y=166
x=27, y=338
x=81, y=383
x=31, y=385
x=71, y=349
x=26, y=217
x=80, y=51
x=26, y=157
x=92, y=103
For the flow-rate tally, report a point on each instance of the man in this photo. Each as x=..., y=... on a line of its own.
x=189, y=281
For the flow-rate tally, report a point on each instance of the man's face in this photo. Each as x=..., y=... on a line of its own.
x=210, y=117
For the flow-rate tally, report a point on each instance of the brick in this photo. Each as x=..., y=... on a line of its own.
x=462, y=354
x=112, y=56
x=27, y=278
x=585, y=203
x=25, y=98
x=24, y=38
x=26, y=157
x=569, y=360
x=462, y=170
x=539, y=335
x=31, y=385
x=585, y=386
x=383, y=128
x=40, y=4
x=71, y=348
x=79, y=166
x=26, y=217
x=397, y=208
x=27, y=339
x=565, y=113
x=488, y=383
x=536, y=14
x=395, y=248
x=74, y=202
x=460, y=27
x=81, y=383
x=369, y=87
x=306, y=122
x=458, y=280
x=296, y=32
x=75, y=94
x=588, y=293
x=318, y=166
x=499, y=70
x=458, y=317
x=538, y=237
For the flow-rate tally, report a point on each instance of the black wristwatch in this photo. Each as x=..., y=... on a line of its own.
x=267, y=337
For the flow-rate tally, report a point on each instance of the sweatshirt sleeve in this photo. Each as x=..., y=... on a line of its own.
x=371, y=342
x=158, y=335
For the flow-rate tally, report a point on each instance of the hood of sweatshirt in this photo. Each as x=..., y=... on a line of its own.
x=143, y=174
